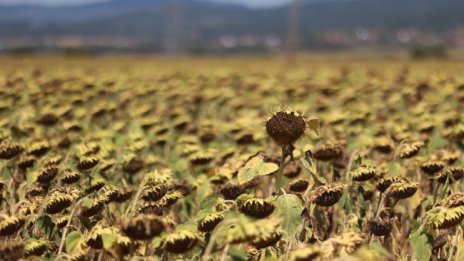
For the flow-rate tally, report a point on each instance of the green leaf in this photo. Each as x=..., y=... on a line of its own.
x=289, y=208
x=46, y=224
x=72, y=241
x=421, y=244
x=436, y=142
x=376, y=247
x=108, y=240
x=206, y=207
x=255, y=167
x=314, y=125
x=311, y=167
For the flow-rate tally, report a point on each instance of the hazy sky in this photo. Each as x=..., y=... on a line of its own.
x=253, y=3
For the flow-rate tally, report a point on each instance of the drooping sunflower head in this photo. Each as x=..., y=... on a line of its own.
x=180, y=242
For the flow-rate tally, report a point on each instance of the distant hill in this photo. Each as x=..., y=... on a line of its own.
x=200, y=20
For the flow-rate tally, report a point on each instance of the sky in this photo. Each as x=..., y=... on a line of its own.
x=251, y=3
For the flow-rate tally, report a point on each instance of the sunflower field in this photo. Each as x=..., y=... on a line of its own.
x=231, y=159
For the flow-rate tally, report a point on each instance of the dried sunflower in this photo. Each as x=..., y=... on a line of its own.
x=11, y=250
x=256, y=207
x=209, y=222
x=327, y=195
x=365, y=173
x=410, y=149
x=402, y=190
x=285, y=127
x=10, y=225
x=36, y=248
x=10, y=150
x=143, y=227
x=180, y=242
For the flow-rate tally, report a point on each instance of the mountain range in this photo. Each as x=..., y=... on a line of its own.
x=200, y=20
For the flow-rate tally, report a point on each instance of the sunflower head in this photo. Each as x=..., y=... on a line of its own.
x=285, y=127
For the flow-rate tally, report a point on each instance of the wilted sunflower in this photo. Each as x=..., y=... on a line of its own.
x=68, y=176
x=26, y=162
x=152, y=208
x=154, y=193
x=132, y=164
x=88, y=162
x=383, y=144
x=451, y=174
x=285, y=127
x=180, y=242
x=402, y=190
x=231, y=191
x=95, y=185
x=309, y=253
x=328, y=151
x=327, y=195
x=379, y=227
x=38, y=148
x=384, y=183
x=36, y=248
x=299, y=185
x=454, y=200
x=11, y=250
x=256, y=207
x=432, y=167
x=443, y=218
x=365, y=173
x=267, y=240
x=143, y=227
x=10, y=225
x=209, y=222
x=46, y=174
x=410, y=149
x=94, y=209
x=58, y=201
x=10, y=150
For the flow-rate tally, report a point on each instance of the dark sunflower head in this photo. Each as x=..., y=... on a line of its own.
x=10, y=150
x=285, y=127
x=11, y=250
x=26, y=162
x=36, y=248
x=57, y=202
x=292, y=170
x=444, y=218
x=46, y=174
x=38, y=148
x=200, y=158
x=152, y=208
x=132, y=165
x=450, y=174
x=454, y=200
x=402, y=189
x=267, y=240
x=410, y=149
x=143, y=227
x=383, y=144
x=299, y=185
x=379, y=227
x=327, y=195
x=87, y=163
x=95, y=185
x=231, y=191
x=328, y=152
x=432, y=167
x=256, y=207
x=92, y=210
x=69, y=177
x=48, y=119
x=171, y=198
x=305, y=254
x=109, y=193
x=180, y=242
x=208, y=223
x=10, y=225
x=154, y=193
x=384, y=183
x=365, y=173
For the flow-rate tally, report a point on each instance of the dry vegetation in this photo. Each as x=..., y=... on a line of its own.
x=232, y=159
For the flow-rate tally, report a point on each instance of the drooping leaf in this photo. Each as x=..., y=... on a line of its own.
x=72, y=241
x=421, y=244
x=254, y=167
x=314, y=125
x=108, y=240
x=288, y=209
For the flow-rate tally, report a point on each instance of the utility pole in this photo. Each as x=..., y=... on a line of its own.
x=173, y=43
x=293, y=31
